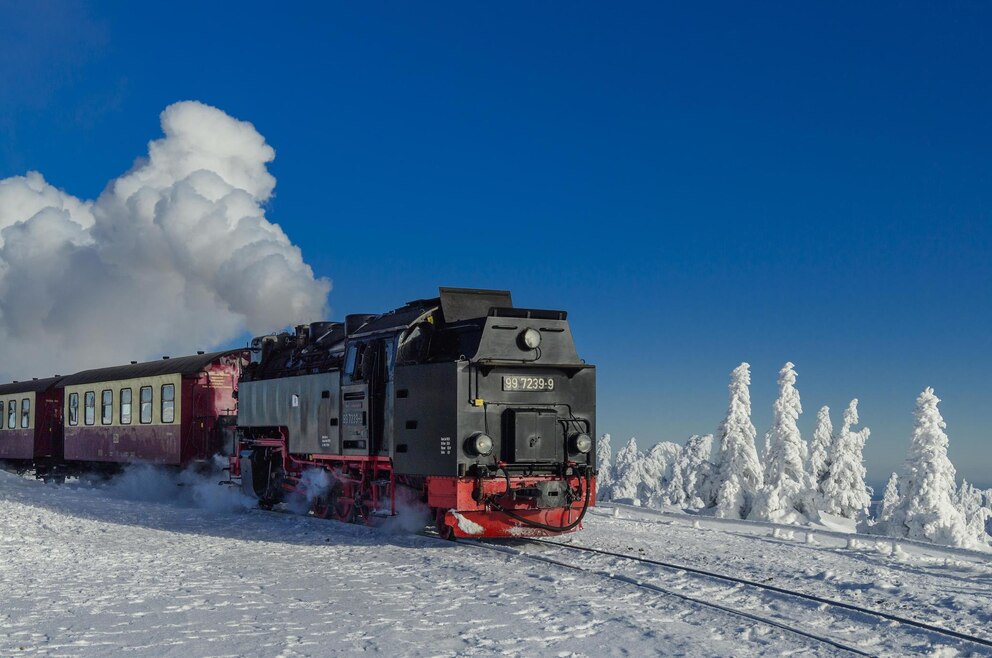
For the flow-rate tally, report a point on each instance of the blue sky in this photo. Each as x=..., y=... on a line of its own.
x=696, y=185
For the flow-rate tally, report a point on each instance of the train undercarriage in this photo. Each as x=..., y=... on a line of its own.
x=510, y=502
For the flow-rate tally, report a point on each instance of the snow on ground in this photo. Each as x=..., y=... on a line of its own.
x=87, y=572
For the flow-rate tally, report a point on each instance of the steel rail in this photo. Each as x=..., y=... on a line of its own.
x=921, y=625
x=507, y=550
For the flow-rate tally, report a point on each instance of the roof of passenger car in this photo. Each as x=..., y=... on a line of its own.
x=32, y=386
x=183, y=365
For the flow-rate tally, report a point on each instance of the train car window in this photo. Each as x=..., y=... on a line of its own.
x=168, y=403
x=25, y=412
x=12, y=414
x=125, y=406
x=74, y=408
x=106, y=407
x=146, y=404
x=1, y=414
x=89, y=407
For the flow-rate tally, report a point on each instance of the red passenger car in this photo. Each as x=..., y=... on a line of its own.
x=30, y=424
x=173, y=412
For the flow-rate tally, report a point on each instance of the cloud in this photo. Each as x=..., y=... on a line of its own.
x=174, y=255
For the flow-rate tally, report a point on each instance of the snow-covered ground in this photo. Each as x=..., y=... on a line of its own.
x=91, y=572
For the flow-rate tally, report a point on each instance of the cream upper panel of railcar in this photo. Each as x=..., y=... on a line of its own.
x=75, y=395
x=16, y=402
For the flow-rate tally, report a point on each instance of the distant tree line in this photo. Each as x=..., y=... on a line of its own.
x=795, y=482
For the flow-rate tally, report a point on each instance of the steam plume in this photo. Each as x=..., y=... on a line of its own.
x=175, y=254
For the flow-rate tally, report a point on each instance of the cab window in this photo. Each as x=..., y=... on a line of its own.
x=146, y=404
x=390, y=349
x=74, y=408
x=349, y=361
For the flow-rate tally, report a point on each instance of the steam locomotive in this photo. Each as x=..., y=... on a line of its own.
x=481, y=411
x=478, y=412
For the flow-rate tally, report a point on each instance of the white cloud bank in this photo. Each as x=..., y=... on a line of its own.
x=174, y=255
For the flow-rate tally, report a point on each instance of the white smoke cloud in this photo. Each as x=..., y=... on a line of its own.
x=174, y=255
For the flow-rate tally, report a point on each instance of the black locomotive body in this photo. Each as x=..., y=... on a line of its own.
x=482, y=412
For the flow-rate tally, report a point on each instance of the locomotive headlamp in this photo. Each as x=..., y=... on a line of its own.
x=480, y=444
x=581, y=443
x=530, y=338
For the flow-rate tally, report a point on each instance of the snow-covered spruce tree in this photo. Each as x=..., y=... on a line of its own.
x=786, y=494
x=890, y=501
x=692, y=473
x=656, y=473
x=674, y=493
x=970, y=501
x=927, y=508
x=627, y=474
x=740, y=474
x=604, y=465
x=766, y=453
x=700, y=473
x=819, y=452
x=844, y=489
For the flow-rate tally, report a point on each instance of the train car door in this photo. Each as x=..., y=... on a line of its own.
x=54, y=432
x=355, y=402
x=363, y=399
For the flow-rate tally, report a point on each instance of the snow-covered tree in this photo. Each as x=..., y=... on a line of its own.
x=844, y=489
x=656, y=473
x=694, y=473
x=927, y=508
x=819, y=453
x=627, y=475
x=740, y=475
x=785, y=496
x=890, y=501
x=970, y=501
x=675, y=493
x=604, y=465
x=766, y=453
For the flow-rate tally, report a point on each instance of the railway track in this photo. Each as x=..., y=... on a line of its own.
x=657, y=589
x=787, y=625
x=984, y=643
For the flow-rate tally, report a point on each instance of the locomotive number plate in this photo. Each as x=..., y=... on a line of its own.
x=522, y=383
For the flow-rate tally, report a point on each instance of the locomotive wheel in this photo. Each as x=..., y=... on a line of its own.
x=321, y=507
x=344, y=511
x=444, y=530
x=338, y=508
